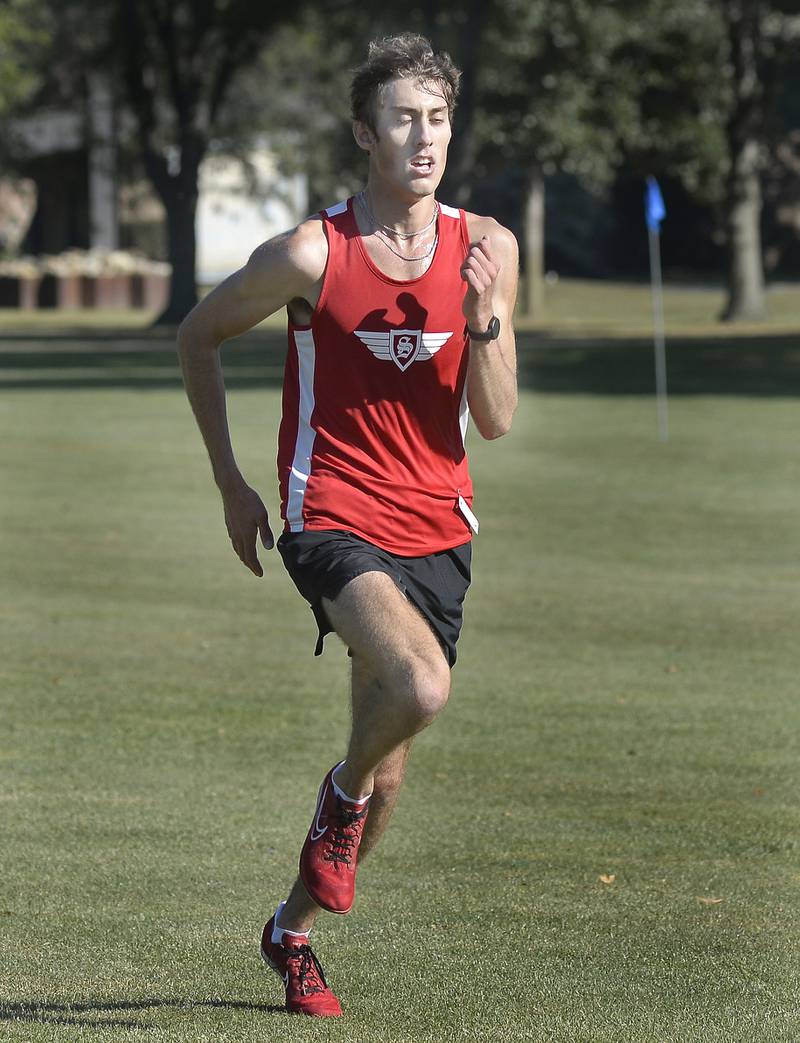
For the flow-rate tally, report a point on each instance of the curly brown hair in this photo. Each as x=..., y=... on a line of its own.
x=405, y=55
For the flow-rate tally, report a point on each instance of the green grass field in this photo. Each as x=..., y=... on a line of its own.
x=598, y=842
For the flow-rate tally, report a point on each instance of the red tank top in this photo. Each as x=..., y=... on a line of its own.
x=374, y=398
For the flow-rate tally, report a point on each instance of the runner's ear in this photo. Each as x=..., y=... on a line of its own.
x=365, y=138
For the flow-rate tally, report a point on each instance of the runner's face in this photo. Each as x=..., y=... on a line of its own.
x=413, y=132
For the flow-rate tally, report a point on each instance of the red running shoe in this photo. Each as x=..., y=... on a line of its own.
x=330, y=853
x=294, y=961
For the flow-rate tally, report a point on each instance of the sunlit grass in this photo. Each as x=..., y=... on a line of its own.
x=595, y=307
x=598, y=839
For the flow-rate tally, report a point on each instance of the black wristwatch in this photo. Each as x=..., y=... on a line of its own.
x=492, y=331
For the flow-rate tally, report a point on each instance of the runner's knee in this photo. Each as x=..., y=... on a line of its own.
x=427, y=687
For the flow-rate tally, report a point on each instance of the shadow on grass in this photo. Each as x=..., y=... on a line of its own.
x=69, y=1013
x=767, y=365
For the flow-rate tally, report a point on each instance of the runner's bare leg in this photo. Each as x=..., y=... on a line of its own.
x=401, y=681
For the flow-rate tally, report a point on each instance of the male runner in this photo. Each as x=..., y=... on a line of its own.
x=400, y=313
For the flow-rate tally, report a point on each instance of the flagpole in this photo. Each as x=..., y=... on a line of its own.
x=654, y=214
x=659, y=345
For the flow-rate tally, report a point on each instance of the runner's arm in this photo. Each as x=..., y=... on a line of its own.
x=491, y=273
x=289, y=266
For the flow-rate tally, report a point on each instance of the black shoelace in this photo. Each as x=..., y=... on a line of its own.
x=344, y=835
x=309, y=972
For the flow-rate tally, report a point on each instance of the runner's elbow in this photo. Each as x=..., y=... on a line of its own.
x=494, y=427
x=496, y=432
x=500, y=430
x=194, y=337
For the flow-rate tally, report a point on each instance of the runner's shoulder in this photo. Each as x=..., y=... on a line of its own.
x=298, y=256
x=502, y=239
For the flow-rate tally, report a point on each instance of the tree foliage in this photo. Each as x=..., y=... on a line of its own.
x=23, y=34
x=680, y=88
x=179, y=60
x=303, y=73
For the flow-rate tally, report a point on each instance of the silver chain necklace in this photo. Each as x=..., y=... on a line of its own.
x=362, y=195
x=381, y=231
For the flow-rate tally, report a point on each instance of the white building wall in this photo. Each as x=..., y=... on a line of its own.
x=232, y=221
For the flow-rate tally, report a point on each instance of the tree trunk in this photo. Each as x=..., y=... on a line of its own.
x=456, y=185
x=533, y=281
x=180, y=202
x=103, y=221
x=152, y=37
x=746, y=267
x=744, y=133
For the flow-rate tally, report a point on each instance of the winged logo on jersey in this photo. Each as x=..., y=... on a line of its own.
x=402, y=346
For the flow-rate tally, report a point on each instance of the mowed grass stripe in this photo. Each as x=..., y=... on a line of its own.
x=624, y=706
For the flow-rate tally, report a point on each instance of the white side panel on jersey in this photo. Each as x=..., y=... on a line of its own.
x=338, y=208
x=304, y=446
x=463, y=415
x=448, y=211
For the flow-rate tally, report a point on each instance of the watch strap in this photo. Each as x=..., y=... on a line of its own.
x=492, y=331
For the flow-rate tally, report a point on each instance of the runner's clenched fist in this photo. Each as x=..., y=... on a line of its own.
x=479, y=271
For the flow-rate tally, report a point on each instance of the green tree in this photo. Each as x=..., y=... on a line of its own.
x=705, y=78
x=760, y=37
x=548, y=103
x=173, y=65
x=307, y=120
x=180, y=59
x=23, y=32
x=680, y=87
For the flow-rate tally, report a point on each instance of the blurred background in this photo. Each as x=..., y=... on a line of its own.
x=143, y=138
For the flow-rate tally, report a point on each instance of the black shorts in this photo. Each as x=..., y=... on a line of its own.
x=321, y=563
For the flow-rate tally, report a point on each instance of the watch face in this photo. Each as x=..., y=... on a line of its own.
x=494, y=328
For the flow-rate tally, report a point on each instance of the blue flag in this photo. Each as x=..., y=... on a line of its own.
x=654, y=209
